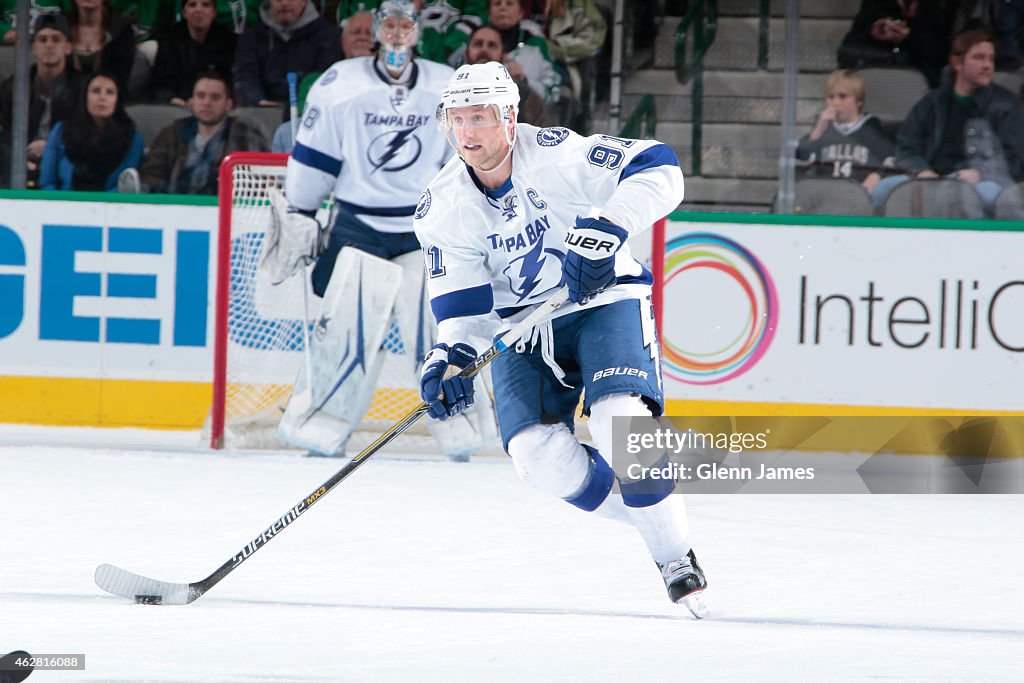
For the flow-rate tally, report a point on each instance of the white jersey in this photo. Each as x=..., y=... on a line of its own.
x=371, y=144
x=503, y=249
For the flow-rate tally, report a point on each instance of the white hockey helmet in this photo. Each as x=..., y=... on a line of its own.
x=396, y=54
x=477, y=84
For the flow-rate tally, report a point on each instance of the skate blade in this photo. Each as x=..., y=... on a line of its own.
x=695, y=603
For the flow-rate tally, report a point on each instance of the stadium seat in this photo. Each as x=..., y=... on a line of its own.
x=267, y=118
x=150, y=119
x=829, y=196
x=890, y=93
x=1009, y=205
x=934, y=198
x=1011, y=80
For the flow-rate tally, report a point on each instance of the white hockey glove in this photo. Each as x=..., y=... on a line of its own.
x=440, y=386
x=293, y=241
x=589, y=266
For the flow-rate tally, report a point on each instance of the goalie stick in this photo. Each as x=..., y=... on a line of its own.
x=144, y=590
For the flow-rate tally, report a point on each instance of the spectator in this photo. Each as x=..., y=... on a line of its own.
x=54, y=90
x=103, y=40
x=91, y=148
x=291, y=36
x=1000, y=17
x=970, y=129
x=575, y=30
x=186, y=155
x=437, y=17
x=357, y=35
x=190, y=47
x=148, y=20
x=485, y=46
x=524, y=47
x=845, y=142
x=911, y=33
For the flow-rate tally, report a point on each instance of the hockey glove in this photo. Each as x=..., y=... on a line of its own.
x=294, y=239
x=440, y=386
x=589, y=266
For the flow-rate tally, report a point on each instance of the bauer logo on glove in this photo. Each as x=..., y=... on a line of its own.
x=589, y=266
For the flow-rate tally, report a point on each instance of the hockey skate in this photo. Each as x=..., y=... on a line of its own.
x=684, y=580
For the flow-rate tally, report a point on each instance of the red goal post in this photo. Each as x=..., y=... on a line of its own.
x=259, y=338
x=259, y=341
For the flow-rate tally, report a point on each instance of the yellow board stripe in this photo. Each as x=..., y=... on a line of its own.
x=104, y=403
x=752, y=408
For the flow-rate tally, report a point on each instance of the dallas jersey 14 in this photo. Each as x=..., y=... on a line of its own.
x=502, y=249
x=372, y=144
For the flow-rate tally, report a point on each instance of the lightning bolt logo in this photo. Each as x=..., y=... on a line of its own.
x=393, y=144
x=530, y=265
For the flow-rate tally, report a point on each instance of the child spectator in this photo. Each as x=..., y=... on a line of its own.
x=90, y=149
x=845, y=142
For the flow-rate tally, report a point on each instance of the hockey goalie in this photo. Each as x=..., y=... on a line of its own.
x=367, y=139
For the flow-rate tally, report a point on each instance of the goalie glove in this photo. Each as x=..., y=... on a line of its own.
x=441, y=388
x=589, y=265
x=293, y=241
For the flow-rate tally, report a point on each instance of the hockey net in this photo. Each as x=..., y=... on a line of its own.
x=259, y=343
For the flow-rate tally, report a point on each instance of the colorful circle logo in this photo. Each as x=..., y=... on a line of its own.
x=724, y=305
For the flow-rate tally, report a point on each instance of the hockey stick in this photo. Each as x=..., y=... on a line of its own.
x=293, y=104
x=153, y=592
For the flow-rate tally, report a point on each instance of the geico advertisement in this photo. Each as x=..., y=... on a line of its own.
x=96, y=290
x=856, y=316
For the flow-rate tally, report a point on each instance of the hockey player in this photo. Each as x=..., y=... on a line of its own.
x=368, y=138
x=504, y=226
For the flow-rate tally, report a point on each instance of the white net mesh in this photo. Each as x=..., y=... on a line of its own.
x=265, y=340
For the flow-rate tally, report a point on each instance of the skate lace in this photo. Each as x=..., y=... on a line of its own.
x=676, y=568
x=546, y=336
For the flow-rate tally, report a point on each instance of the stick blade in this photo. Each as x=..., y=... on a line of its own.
x=141, y=589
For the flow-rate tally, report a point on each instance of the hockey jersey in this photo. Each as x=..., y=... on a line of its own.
x=371, y=144
x=502, y=250
x=850, y=151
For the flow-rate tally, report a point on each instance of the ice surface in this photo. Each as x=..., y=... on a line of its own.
x=417, y=569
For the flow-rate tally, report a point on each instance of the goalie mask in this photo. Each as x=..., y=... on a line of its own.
x=396, y=29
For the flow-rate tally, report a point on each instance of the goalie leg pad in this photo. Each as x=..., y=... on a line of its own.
x=460, y=436
x=346, y=350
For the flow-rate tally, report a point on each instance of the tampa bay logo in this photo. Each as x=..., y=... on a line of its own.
x=523, y=272
x=395, y=150
x=729, y=302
